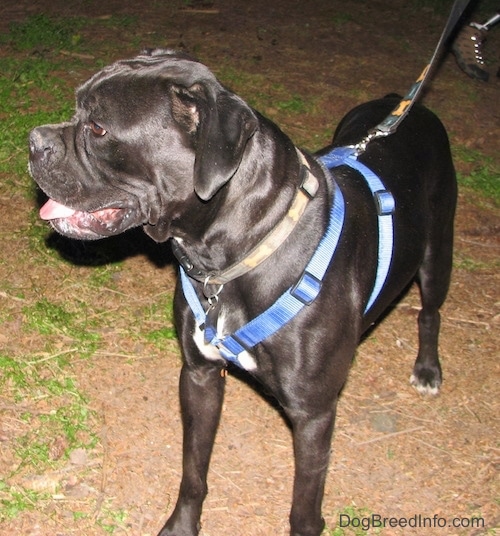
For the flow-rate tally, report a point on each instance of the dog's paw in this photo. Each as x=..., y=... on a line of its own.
x=426, y=381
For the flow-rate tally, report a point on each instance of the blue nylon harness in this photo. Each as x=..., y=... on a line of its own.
x=305, y=291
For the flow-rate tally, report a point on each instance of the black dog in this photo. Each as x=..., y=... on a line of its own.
x=157, y=141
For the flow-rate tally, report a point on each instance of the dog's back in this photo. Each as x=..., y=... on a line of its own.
x=415, y=165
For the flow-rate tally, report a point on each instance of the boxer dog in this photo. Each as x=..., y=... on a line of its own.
x=157, y=141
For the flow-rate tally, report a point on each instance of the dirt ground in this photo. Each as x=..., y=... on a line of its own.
x=395, y=453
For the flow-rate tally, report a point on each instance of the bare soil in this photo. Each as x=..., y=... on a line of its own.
x=395, y=453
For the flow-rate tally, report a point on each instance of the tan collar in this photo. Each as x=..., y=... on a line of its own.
x=266, y=247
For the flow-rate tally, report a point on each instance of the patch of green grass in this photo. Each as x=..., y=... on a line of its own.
x=31, y=92
x=483, y=175
x=14, y=501
x=120, y=21
x=111, y=520
x=48, y=318
x=438, y=6
x=68, y=423
x=24, y=85
x=13, y=373
x=340, y=19
x=79, y=515
x=463, y=262
x=295, y=104
x=262, y=95
x=102, y=276
x=37, y=230
x=45, y=32
x=159, y=336
x=51, y=408
x=161, y=312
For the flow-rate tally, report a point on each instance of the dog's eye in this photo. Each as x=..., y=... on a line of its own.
x=97, y=129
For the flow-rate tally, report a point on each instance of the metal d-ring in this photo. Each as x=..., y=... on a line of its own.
x=212, y=297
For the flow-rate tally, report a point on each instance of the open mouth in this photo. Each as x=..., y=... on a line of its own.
x=86, y=225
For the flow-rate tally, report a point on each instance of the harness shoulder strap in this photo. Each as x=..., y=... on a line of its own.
x=385, y=205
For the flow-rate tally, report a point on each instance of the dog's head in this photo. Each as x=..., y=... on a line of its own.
x=147, y=132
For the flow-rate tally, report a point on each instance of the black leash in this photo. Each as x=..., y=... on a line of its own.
x=392, y=121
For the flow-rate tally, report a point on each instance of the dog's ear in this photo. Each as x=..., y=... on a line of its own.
x=221, y=125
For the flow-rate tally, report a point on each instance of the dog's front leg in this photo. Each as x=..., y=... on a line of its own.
x=312, y=434
x=201, y=396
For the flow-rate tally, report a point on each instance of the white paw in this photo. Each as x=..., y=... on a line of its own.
x=426, y=390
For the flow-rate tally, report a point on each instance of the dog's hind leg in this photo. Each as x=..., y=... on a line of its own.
x=434, y=280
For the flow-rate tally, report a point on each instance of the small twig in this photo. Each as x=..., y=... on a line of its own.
x=77, y=55
x=104, y=467
x=113, y=291
x=206, y=11
x=103, y=353
x=389, y=436
x=466, y=321
x=9, y=297
x=432, y=446
x=401, y=343
x=475, y=243
x=347, y=436
x=226, y=478
x=51, y=356
x=473, y=413
x=413, y=417
x=17, y=408
x=404, y=305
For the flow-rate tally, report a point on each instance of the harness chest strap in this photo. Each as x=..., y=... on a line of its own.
x=309, y=285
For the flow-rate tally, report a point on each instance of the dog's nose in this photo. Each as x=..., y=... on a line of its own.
x=41, y=143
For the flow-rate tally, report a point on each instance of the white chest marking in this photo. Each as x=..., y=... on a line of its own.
x=212, y=353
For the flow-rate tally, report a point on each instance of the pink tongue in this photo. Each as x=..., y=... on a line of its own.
x=53, y=210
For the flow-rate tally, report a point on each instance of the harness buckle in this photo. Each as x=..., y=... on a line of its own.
x=384, y=202
x=306, y=289
x=230, y=347
x=308, y=182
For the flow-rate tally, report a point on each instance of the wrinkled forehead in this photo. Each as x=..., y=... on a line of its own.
x=158, y=66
